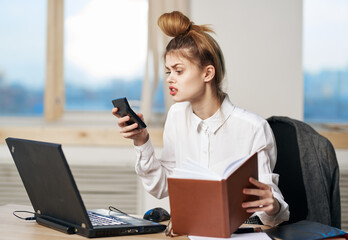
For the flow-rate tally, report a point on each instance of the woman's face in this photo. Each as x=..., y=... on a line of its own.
x=186, y=79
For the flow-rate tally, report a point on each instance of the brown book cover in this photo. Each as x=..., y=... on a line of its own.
x=211, y=208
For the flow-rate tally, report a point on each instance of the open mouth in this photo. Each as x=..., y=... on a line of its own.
x=173, y=91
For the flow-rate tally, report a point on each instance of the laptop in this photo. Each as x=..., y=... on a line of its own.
x=56, y=199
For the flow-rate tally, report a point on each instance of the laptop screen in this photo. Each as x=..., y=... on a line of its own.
x=48, y=180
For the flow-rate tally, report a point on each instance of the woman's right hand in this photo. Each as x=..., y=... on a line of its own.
x=139, y=136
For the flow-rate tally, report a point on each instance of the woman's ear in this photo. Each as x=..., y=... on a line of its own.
x=209, y=73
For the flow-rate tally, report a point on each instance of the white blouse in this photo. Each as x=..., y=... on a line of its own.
x=231, y=133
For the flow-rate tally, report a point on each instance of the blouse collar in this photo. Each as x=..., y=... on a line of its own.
x=213, y=123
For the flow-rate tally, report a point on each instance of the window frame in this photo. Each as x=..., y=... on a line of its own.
x=54, y=98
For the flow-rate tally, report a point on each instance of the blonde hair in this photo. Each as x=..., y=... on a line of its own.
x=195, y=44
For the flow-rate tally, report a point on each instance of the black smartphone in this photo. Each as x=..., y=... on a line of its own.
x=125, y=110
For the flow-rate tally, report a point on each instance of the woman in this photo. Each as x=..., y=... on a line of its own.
x=203, y=124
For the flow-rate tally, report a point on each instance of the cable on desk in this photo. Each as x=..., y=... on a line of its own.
x=113, y=209
x=24, y=218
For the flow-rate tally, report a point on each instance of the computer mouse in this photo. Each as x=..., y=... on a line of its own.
x=157, y=214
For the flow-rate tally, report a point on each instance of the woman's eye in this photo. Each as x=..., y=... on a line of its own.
x=167, y=73
x=179, y=72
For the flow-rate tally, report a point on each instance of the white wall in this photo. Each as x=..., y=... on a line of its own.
x=262, y=44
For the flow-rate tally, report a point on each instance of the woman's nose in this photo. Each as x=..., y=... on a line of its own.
x=170, y=78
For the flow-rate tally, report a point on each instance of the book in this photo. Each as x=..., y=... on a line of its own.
x=204, y=203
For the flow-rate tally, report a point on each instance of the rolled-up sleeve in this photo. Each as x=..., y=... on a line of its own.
x=154, y=171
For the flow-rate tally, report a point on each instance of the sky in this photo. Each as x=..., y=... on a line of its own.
x=102, y=40
x=325, y=35
x=22, y=41
x=106, y=40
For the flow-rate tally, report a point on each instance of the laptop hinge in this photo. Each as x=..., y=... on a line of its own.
x=54, y=224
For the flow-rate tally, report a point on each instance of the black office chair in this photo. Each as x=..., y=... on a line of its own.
x=308, y=172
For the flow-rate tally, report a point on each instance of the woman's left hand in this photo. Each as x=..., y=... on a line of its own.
x=266, y=200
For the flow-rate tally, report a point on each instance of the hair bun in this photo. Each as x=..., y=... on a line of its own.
x=174, y=24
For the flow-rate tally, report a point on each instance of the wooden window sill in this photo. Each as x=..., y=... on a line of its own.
x=76, y=129
x=102, y=130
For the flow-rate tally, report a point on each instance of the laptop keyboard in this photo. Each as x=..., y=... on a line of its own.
x=98, y=220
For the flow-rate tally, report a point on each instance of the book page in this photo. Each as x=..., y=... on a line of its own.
x=249, y=236
x=193, y=170
x=230, y=168
x=234, y=165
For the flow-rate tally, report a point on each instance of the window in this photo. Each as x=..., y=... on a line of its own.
x=105, y=47
x=22, y=57
x=105, y=52
x=325, y=61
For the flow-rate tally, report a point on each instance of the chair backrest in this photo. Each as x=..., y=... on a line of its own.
x=288, y=167
x=308, y=172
